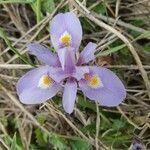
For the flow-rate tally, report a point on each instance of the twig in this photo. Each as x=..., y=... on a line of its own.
x=15, y=66
x=110, y=20
x=16, y=1
x=129, y=67
x=117, y=8
x=97, y=126
x=15, y=19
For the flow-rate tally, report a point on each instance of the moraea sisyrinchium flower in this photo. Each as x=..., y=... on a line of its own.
x=97, y=83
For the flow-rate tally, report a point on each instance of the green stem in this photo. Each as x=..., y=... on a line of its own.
x=3, y=35
x=38, y=11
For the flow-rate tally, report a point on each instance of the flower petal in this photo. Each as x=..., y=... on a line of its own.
x=43, y=54
x=37, y=95
x=58, y=74
x=87, y=54
x=30, y=78
x=28, y=88
x=80, y=71
x=67, y=22
x=69, y=95
x=67, y=59
x=112, y=93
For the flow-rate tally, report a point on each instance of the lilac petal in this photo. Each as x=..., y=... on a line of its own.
x=37, y=95
x=28, y=90
x=69, y=95
x=67, y=22
x=112, y=93
x=80, y=71
x=70, y=60
x=58, y=74
x=30, y=78
x=67, y=59
x=87, y=54
x=62, y=56
x=43, y=54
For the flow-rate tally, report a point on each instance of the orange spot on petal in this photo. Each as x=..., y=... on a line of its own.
x=94, y=81
x=87, y=77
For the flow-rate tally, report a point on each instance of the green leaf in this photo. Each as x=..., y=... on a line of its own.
x=90, y=128
x=44, y=139
x=41, y=118
x=145, y=35
x=137, y=22
x=36, y=6
x=147, y=47
x=110, y=139
x=14, y=143
x=118, y=124
x=111, y=50
x=34, y=147
x=4, y=121
x=57, y=142
x=41, y=137
x=79, y=144
x=101, y=9
x=86, y=104
x=86, y=25
x=48, y=6
x=38, y=11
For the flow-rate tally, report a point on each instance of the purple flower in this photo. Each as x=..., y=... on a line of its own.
x=97, y=83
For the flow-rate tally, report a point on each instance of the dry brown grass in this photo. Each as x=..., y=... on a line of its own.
x=20, y=24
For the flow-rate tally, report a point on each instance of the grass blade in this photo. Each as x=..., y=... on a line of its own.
x=3, y=35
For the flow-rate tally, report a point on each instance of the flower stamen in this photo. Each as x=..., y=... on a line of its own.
x=45, y=82
x=65, y=39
